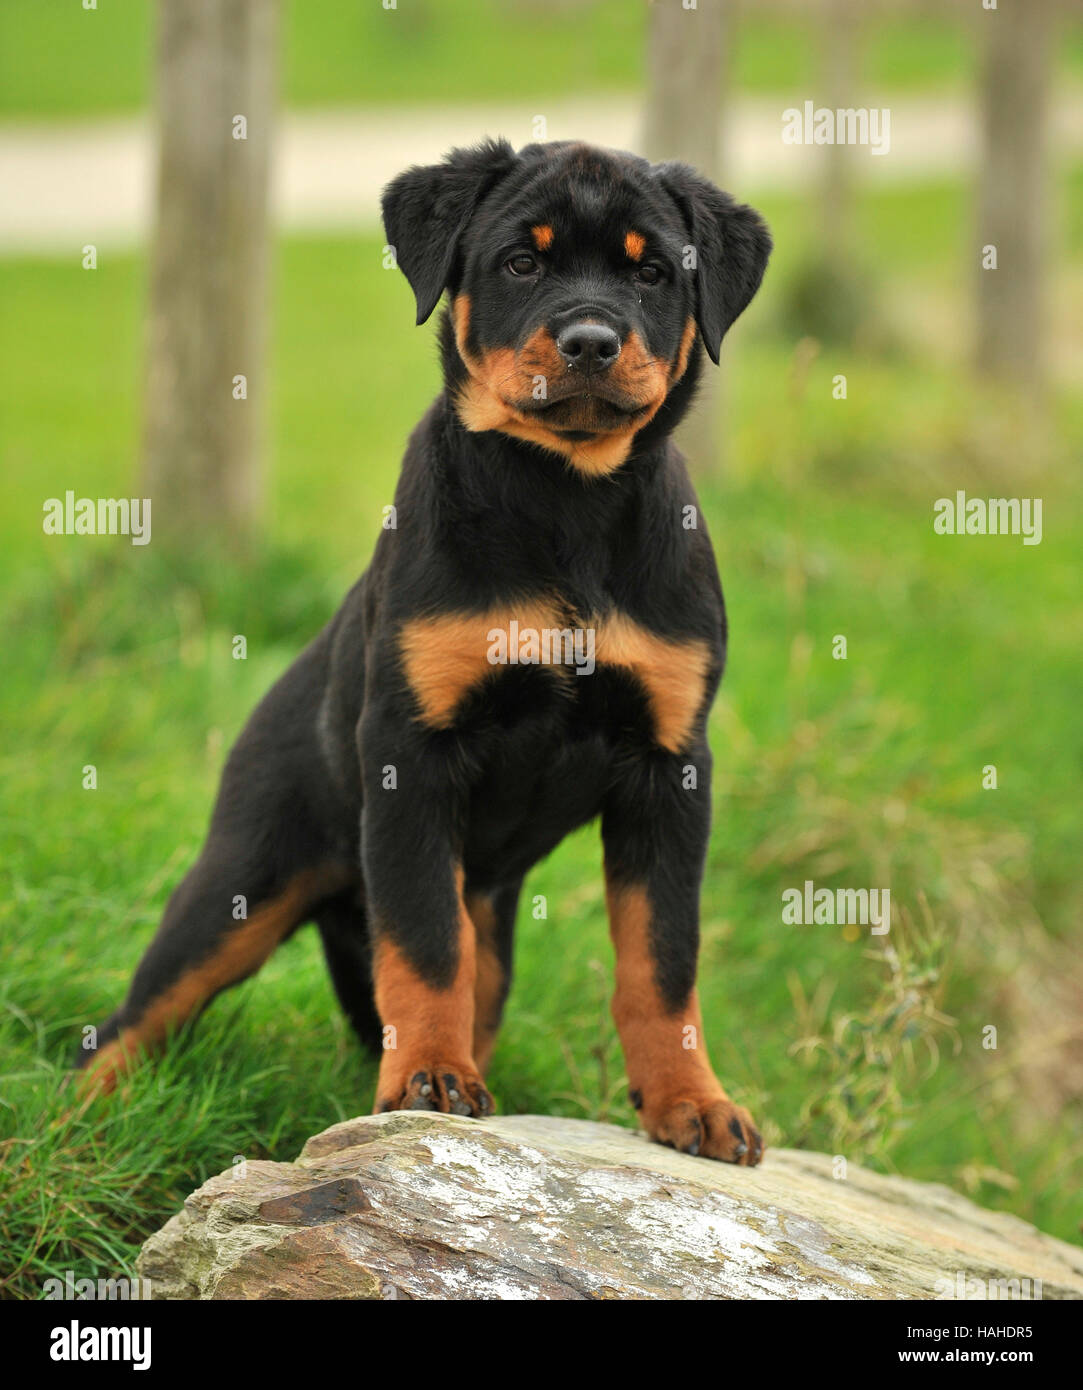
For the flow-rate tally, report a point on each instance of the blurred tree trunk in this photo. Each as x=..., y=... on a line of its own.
x=204, y=429
x=838, y=70
x=1012, y=199
x=686, y=53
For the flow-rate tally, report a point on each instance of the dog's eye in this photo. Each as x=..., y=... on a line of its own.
x=522, y=264
x=647, y=274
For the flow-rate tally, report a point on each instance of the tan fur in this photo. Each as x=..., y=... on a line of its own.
x=500, y=376
x=680, y=365
x=446, y=656
x=680, y=1100
x=661, y=1067
x=242, y=949
x=634, y=245
x=674, y=674
x=489, y=982
x=433, y=1028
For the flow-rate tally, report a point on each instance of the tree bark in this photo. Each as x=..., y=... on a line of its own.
x=686, y=54
x=203, y=442
x=684, y=83
x=1013, y=192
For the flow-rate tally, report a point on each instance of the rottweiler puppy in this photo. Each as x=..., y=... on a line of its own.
x=536, y=643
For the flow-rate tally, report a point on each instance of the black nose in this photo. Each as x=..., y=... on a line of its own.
x=589, y=347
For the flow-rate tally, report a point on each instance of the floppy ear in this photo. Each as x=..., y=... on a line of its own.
x=427, y=209
x=731, y=244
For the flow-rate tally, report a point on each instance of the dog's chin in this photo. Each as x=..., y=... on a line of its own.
x=585, y=415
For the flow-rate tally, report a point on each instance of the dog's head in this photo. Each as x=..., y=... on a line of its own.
x=578, y=278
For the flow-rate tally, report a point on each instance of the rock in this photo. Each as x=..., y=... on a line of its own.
x=427, y=1206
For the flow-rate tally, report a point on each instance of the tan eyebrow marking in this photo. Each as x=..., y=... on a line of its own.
x=634, y=245
x=543, y=237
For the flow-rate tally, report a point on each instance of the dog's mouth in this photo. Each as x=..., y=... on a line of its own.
x=590, y=411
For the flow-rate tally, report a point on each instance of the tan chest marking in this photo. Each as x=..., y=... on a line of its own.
x=673, y=673
x=448, y=655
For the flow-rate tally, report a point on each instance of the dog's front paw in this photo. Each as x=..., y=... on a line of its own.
x=451, y=1087
x=708, y=1125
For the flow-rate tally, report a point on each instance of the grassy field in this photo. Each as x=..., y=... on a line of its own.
x=429, y=51
x=961, y=653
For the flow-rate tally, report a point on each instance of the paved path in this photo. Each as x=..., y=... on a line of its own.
x=63, y=186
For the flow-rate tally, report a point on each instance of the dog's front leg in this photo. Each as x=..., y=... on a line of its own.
x=655, y=828
x=423, y=939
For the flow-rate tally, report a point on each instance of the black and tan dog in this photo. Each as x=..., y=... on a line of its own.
x=537, y=642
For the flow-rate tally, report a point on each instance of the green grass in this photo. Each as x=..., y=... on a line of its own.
x=961, y=652
x=58, y=60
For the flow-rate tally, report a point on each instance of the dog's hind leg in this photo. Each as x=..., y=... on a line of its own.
x=493, y=915
x=344, y=931
x=219, y=927
x=272, y=857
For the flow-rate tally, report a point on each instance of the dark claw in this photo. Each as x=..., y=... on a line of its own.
x=736, y=1130
x=636, y=1097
